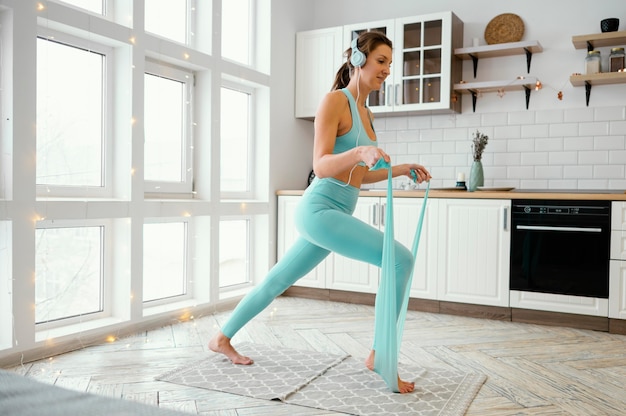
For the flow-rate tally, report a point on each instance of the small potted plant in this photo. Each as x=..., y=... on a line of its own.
x=477, y=178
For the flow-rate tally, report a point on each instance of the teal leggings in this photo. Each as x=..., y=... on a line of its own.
x=325, y=223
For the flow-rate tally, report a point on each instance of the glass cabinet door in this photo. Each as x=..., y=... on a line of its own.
x=421, y=49
x=377, y=100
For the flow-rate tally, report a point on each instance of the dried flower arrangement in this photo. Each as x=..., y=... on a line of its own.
x=479, y=142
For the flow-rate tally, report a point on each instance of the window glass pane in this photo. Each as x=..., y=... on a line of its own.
x=68, y=272
x=164, y=271
x=96, y=6
x=234, y=253
x=70, y=122
x=164, y=129
x=167, y=18
x=236, y=26
x=235, y=128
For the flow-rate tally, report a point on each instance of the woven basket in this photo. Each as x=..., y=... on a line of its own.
x=504, y=28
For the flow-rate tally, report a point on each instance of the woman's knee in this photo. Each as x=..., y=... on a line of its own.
x=404, y=260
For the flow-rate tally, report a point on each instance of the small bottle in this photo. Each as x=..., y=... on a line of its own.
x=592, y=62
x=616, y=60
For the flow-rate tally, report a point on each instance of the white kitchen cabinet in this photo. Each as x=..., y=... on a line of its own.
x=319, y=54
x=424, y=67
x=287, y=234
x=474, y=240
x=357, y=276
x=617, y=264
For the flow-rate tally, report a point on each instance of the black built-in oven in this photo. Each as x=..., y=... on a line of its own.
x=561, y=247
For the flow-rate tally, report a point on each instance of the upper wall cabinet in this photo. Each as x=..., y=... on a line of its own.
x=423, y=71
x=319, y=54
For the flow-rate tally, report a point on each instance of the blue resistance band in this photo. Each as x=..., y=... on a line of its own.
x=388, y=328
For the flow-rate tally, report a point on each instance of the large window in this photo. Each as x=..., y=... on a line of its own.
x=164, y=260
x=168, y=144
x=167, y=18
x=237, y=27
x=69, y=272
x=235, y=144
x=234, y=252
x=72, y=121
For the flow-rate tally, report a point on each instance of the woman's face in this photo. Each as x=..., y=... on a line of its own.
x=377, y=66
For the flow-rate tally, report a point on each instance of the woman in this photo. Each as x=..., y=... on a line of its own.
x=345, y=148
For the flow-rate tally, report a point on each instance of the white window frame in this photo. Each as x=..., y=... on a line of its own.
x=187, y=263
x=252, y=162
x=186, y=76
x=105, y=191
x=249, y=254
x=106, y=271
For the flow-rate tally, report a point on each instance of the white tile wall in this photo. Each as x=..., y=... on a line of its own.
x=581, y=148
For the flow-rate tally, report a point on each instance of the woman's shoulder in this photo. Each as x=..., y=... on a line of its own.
x=336, y=98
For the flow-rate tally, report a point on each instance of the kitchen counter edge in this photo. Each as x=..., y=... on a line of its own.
x=514, y=194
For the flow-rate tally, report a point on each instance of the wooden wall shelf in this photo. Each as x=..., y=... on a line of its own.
x=498, y=50
x=474, y=88
x=599, y=40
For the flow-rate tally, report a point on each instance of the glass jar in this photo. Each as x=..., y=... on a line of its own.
x=616, y=60
x=592, y=62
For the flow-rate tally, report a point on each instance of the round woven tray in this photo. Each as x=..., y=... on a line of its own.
x=507, y=27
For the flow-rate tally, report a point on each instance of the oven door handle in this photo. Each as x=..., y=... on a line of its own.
x=548, y=228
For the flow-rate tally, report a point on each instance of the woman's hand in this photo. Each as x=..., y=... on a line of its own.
x=371, y=154
x=417, y=173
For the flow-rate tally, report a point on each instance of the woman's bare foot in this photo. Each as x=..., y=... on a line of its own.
x=220, y=343
x=403, y=386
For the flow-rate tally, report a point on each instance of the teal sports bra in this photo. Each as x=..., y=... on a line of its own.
x=356, y=136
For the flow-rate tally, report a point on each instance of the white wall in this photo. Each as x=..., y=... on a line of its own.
x=555, y=143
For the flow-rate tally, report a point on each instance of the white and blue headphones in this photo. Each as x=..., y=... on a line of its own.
x=357, y=58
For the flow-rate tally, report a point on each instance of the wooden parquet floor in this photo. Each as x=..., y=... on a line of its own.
x=531, y=369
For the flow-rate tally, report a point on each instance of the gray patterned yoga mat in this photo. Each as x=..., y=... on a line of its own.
x=331, y=382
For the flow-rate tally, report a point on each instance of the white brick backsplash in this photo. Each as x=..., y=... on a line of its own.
x=549, y=145
x=431, y=135
x=599, y=128
x=507, y=159
x=494, y=119
x=563, y=130
x=396, y=123
x=534, y=158
x=521, y=118
x=550, y=117
x=419, y=122
x=608, y=171
x=443, y=121
x=533, y=131
x=575, y=148
x=443, y=147
x=520, y=145
x=610, y=113
x=548, y=172
x=507, y=132
x=520, y=172
x=617, y=127
x=578, y=143
x=617, y=157
x=608, y=143
x=578, y=115
x=577, y=172
x=596, y=157
x=563, y=158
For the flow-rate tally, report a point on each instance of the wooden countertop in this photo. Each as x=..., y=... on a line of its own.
x=605, y=195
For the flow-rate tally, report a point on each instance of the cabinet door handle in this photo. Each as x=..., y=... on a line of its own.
x=397, y=94
x=382, y=214
x=389, y=96
x=505, y=221
x=374, y=220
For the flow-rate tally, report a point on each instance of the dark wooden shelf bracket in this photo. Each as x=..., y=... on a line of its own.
x=587, y=92
x=527, y=88
x=529, y=56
